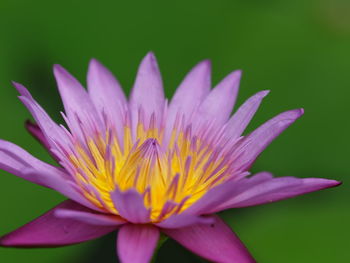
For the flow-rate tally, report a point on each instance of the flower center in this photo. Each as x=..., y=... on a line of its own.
x=170, y=175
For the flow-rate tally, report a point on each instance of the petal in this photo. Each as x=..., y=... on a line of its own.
x=183, y=220
x=253, y=144
x=106, y=94
x=212, y=199
x=190, y=94
x=215, y=242
x=130, y=206
x=90, y=218
x=147, y=92
x=76, y=101
x=193, y=89
x=136, y=243
x=218, y=105
x=17, y=161
x=36, y=132
x=49, y=128
x=51, y=231
x=61, y=183
x=263, y=188
x=240, y=120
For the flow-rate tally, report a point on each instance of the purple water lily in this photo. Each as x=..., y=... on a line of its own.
x=146, y=167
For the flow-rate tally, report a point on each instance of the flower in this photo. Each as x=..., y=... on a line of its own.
x=145, y=167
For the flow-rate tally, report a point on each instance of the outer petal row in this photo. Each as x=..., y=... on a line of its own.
x=215, y=242
x=51, y=231
x=263, y=188
x=70, y=223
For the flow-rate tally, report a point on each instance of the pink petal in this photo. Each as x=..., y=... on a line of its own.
x=218, y=105
x=50, y=129
x=50, y=231
x=130, y=206
x=263, y=188
x=136, y=243
x=192, y=91
x=147, y=92
x=240, y=120
x=253, y=144
x=106, y=94
x=190, y=94
x=36, y=132
x=17, y=161
x=90, y=218
x=76, y=101
x=212, y=198
x=61, y=183
x=215, y=242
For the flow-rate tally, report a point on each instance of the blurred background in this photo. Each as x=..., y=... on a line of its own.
x=299, y=49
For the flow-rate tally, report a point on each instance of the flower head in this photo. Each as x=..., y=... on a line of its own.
x=145, y=166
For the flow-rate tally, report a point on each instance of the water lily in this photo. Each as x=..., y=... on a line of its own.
x=144, y=166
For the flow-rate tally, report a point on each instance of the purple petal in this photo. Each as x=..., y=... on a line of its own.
x=130, y=206
x=190, y=94
x=50, y=231
x=263, y=188
x=76, y=101
x=183, y=220
x=136, y=243
x=106, y=94
x=49, y=128
x=192, y=91
x=253, y=144
x=90, y=218
x=61, y=183
x=36, y=132
x=212, y=199
x=212, y=202
x=147, y=92
x=240, y=120
x=17, y=161
x=215, y=242
x=218, y=105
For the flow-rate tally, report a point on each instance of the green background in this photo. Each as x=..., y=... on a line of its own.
x=299, y=49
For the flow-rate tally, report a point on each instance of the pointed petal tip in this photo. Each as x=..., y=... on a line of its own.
x=94, y=63
x=21, y=89
x=237, y=73
x=292, y=115
x=328, y=183
x=205, y=64
x=298, y=113
x=150, y=54
x=264, y=93
x=57, y=68
x=150, y=58
x=234, y=78
x=61, y=73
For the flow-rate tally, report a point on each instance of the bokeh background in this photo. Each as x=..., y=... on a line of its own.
x=299, y=49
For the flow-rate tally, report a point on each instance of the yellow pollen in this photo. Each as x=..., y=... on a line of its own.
x=170, y=180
